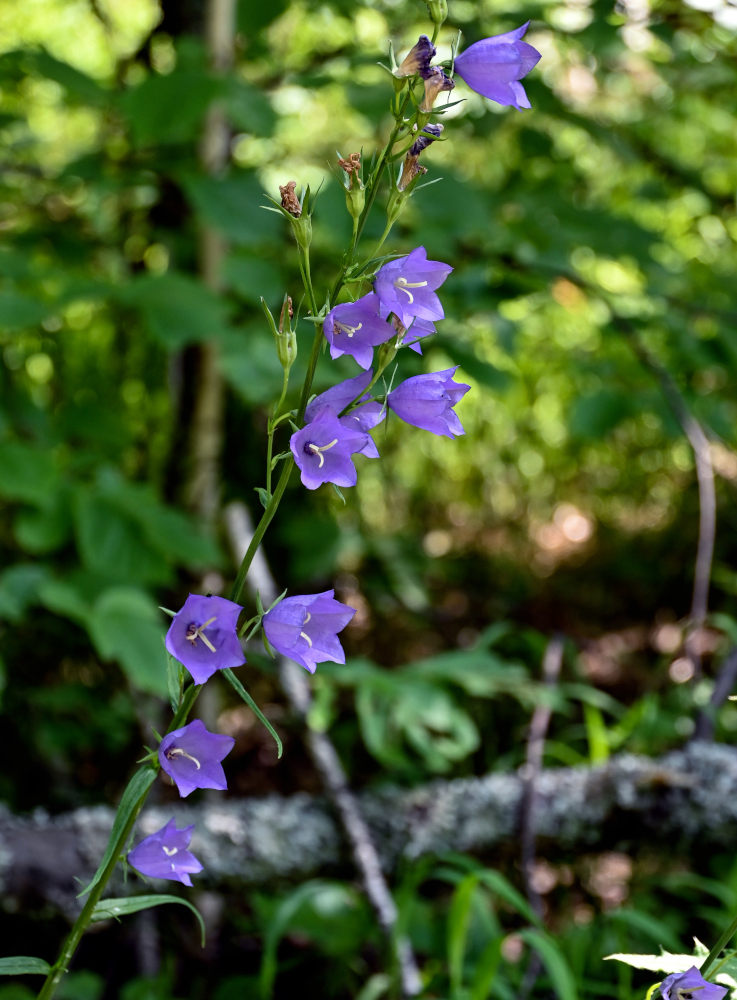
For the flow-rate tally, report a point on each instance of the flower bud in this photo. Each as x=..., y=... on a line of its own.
x=286, y=340
x=438, y=10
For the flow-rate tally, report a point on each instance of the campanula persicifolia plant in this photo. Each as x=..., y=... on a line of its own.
x=380, y=301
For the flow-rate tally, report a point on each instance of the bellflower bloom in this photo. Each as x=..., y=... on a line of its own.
x=494, y=66
x=406, y=287
x=164, y=855
x=436, y=80
x=427, y=401
x=191, y=757
x=690, y=985
x=305, y=628
x=322, y=449
x=356, y=328
x=417, y=59
x=363, y=418
x=203, y=636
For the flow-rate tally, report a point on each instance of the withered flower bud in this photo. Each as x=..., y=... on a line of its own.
x=428, y=135
x=436, y=81
x=352, y=167
x=289, y=200
x=411, y=169
x=417, y=59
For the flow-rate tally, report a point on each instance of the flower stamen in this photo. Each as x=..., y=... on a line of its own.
x=178, y=752
x=303, y=635
x=195, y=632
x=169, y=851
x=402, y=284
x=344, y=328
x=319, y=449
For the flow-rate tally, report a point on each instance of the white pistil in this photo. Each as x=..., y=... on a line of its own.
x=344, y=328
x=178, y=752
x=170, y=851
x=402, y=284
x=195, y=632
x=319, y=449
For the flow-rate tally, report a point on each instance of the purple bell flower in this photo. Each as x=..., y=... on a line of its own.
x=191, y=757
x=494, y=66
x=406, y=287
x=427, y=401
x=356, y=328
x=690, y=985
x=203, y=636
x=305, y=628
x=363, y=418
x=164, y=855
x=322, y=450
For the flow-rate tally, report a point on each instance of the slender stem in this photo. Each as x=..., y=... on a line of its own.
x=59, y=969
x=716, y=950
x=260, y=531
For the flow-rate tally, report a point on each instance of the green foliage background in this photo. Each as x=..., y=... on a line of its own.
x=599, y=225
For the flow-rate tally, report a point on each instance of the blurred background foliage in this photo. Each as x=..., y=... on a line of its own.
x=596, y=228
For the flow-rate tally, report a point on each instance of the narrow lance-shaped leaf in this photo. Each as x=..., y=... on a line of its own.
x=241, y=691
x=114, y=908
x=23, y=965
x=129, y=805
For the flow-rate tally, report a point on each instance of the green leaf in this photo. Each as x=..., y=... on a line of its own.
x=19, y=587
x=241, y=691
x=78, y=85
x=18, y=311
x=130, y=802
x=558, y=969
x=124, y=626
x=248, y=107
x=28, y=473
x=113, y=908
x=458, y=920
x=232, y=205
x=485, y=970
x=283, y=916
x=178, y=309
x=173, y=681
x=170, y=108
x=111, y=542
x=23, y=965
x=665, y=962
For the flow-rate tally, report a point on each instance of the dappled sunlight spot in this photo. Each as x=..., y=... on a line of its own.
x=513, y=948
x=681, y=670
x=602, y=659
x=565, y=534
x=609, y=878
x=667, y=638
x=437, y=542
x=724, y=460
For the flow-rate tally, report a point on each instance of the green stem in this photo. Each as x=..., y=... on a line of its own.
x=258, y=534
x=60, y=967
x=273, y=424
x=716, y=950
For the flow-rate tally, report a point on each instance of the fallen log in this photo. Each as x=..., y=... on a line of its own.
x=684, y=796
